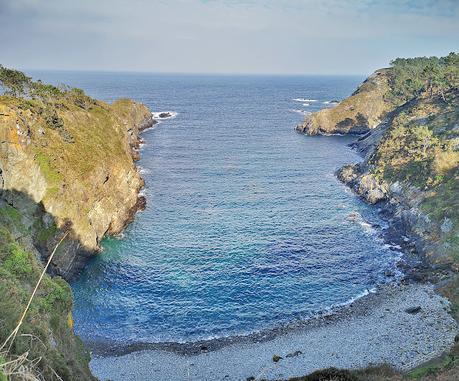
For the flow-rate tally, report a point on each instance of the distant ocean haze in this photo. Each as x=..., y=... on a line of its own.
x=246, y=227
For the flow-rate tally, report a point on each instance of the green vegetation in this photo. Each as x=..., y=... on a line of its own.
x=412, y=77
x=45, y=335
x=432, y=368
x=421, y=146
x=13, y=82
x=18, y=85
x=372, y=373
x=18, y=262
x=47, y=169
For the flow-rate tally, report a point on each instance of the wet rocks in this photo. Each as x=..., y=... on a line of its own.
x=366, y=185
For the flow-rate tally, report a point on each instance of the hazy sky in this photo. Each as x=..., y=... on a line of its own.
x=227, y=36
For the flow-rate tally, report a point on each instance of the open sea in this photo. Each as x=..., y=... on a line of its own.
x=246, y=227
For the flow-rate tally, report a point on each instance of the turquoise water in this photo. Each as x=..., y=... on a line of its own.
x=246, y=226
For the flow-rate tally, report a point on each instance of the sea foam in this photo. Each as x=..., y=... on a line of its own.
x=302, y=112
x=304, y=100
x=164, y=115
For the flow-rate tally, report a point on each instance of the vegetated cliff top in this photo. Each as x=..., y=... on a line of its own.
x=413, y=155
x=383, y=92
x=70, y=153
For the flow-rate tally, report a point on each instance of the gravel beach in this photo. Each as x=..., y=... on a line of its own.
x=402, y=325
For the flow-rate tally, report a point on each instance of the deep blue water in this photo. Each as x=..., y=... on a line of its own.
x=246, y=226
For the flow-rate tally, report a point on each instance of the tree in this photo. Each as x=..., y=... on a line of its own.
x=14, y=82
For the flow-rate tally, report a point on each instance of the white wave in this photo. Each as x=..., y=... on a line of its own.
x=164, y=115
x=304, y=100
x=306, y=104
x=302, y=112
x=366, y=292
x=332, y=309
x=330, y=102
x=143, y=171
x=357, y=218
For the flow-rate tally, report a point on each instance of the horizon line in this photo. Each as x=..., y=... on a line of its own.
x=189, y=73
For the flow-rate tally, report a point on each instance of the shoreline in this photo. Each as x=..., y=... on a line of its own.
x=355, y=306
x=383, y=327
x=358, y=304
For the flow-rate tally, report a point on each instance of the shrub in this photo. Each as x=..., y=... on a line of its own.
x=14, y=82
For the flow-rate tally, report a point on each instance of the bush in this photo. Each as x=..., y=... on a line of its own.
x=18, y=262
x=14, y=82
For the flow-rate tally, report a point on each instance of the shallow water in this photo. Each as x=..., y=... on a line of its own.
x=246, y=226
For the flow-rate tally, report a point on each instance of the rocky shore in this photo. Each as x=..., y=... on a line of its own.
x=410, y=168
x=400, y=325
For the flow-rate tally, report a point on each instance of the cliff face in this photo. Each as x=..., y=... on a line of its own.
x=358, y=114
x=66, y=169
x=411, y=172
x=76, y=162
x=46, y=342
x=412, y=168
x=409, y=114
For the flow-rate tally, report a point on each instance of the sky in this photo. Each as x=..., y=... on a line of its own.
x=226, y=36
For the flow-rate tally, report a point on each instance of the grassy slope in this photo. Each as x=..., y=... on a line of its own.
x=47, y=333
x=364, y=109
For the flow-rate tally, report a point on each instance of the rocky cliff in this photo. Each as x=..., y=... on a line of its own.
x=75, y=163
x=359, y=113
x=66, y=169
x=410, y=169
x=410, y=147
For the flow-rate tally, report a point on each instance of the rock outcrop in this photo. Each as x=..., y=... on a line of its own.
x=78, y=164
x=361, y=112
x=411, y=169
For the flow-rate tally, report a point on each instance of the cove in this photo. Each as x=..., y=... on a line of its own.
x=246, y=227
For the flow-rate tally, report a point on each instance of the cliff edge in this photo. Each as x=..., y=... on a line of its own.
x=357, y=114
x=66, y=171
x=74, y=157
